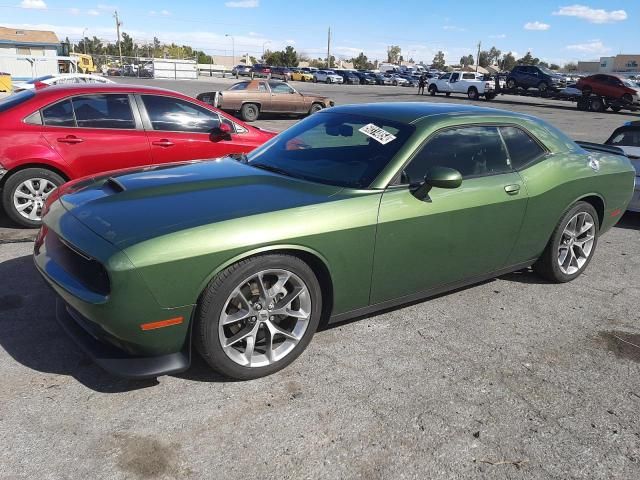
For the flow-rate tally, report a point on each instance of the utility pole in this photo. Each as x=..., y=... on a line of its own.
x=478, y=57
x=118, y=25
x=329, y=49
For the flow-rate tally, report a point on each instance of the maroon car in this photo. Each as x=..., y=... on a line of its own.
x=61, y=133
x=610, y=86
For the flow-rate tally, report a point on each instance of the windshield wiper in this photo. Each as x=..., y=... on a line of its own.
x=273, y=169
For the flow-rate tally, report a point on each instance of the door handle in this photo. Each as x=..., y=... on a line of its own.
x=72, y=139
x=512, y=189
x=163, y=143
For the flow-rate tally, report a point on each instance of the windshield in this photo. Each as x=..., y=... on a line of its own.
x=334, y=148
x=630, y=83
x=547, y=71
x=40, y=79
x=16, y=99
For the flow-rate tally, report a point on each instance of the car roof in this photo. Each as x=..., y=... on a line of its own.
x=60, y=91
x=409, y=112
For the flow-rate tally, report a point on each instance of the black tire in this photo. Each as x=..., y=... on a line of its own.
x=547, y=265
x=597, y=105
x=206, y=321
x=616, y=108
x=583, y=104
x=472, y=93
x=315, y=80
x=543, y=87
x=433, y=90
x=316, y=107
x=627, y=98
x=489, y=96
x=14, y=181
x=448, y=94
x=249, y=112
x=327, y=81
x=511, y=84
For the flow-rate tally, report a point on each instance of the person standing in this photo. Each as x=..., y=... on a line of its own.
x=421, y=84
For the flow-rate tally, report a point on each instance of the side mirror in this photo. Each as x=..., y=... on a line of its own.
x=439, y=177
x=220, y=133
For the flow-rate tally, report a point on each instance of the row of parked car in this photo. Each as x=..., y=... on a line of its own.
x=329, y=76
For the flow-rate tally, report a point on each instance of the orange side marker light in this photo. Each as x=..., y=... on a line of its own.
x=162, y=323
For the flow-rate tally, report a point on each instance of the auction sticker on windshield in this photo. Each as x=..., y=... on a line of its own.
x=377, y=133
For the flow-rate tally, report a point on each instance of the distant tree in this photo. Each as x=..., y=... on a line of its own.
x=570, y=67
x=554, y=66
x=438, y=61
x=393, y=54
x=508, y=61
x=361, y=62
x=483, y=59
x=253, y=60
x=494, y=55
x=126, y=43
x=528, y=59
x=466, y=60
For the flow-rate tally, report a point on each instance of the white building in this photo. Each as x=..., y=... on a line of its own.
x=26, y=54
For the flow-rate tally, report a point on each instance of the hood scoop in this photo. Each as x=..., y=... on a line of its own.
x=114, y=185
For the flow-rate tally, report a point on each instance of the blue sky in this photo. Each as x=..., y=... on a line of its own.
x=556, y=31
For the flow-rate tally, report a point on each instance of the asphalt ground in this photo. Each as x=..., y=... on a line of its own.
x=514, y=378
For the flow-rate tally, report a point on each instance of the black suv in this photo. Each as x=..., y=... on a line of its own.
x=261, y=71
x=531, y=76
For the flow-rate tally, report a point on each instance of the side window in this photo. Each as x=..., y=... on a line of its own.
x=473, y=151
x=103, y=111
x=239, y=86
x=468, y=76
x=176, y=115
x=280, y=87
x=522, y=148
x=454, y=77
x=59, y=115
x=262, y=87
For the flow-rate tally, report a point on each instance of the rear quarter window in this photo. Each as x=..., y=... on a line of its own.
x=523, y=150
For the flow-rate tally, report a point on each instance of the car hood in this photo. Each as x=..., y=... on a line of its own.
x=131, y=206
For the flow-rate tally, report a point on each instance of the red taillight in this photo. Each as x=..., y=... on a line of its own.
x=39, y=85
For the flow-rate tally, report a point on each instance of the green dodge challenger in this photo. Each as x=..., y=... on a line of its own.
x=352, y=210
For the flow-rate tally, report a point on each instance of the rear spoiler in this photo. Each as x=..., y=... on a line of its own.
x=599, y=147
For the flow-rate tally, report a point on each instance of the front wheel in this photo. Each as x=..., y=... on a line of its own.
x=571, y=246
x=511, y=84
x=433, y=90
x=25, y=192
x=327, y=81
x=257, y=316
x=627, y=98
x=249, y=112
x=543, y=87
x=316, y=107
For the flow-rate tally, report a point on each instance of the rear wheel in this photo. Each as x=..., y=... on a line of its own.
x=627, y=98
x=616, y=108
x=25, y=192
x=433, y=90
x=249, y=112
x=571, y=246
x=257, y=316
x=511, y=84
x=597, y=105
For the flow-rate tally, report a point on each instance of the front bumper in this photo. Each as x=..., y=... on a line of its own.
x=112, y=359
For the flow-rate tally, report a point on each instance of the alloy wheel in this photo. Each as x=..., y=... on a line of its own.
x=264, y=318
x=576, y=243
x=30, y=195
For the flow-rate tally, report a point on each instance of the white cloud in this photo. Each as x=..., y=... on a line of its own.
x=592, y=47
x=539, y=26
x=499, y=35
x=37, y=4
x=93, y=13
x=243, y=4
x=104, y=6
x=74, y=11
x=163, y=13
x=453, y=28
x=592, y=15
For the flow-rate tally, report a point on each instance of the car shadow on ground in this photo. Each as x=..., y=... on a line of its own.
x=630, y=220
x=30, y=334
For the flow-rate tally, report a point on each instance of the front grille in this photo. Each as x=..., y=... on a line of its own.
x=86, y=270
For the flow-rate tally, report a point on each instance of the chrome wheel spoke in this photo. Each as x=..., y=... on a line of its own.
x=30, y=186
x=264, y=318
x=576, y=243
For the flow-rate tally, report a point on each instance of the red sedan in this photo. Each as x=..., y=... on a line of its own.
x=61, y=133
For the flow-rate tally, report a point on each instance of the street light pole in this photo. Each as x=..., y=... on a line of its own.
x=263, y=45
x=233, y=47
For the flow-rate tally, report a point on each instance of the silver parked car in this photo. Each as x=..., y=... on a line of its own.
x=627, y=138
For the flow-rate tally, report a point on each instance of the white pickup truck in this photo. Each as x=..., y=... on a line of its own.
x=469, y=83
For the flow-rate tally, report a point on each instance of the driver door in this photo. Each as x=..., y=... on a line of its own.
x=179, y=130
x=285, y=99
x=456, y=234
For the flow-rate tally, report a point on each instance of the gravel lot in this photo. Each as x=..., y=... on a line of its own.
x=510, y=379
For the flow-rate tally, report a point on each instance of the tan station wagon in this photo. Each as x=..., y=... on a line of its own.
x=252, y=97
